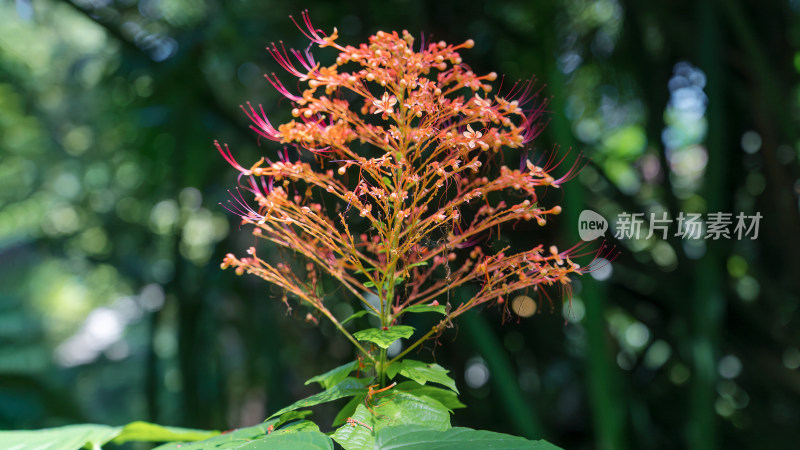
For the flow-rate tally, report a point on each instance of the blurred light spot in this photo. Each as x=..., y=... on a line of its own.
x=724, y=407
x=94, y=241
x=395, y=348
x=568, y=62
x=694, y=248
x=791, y=358
x=574, y=107
x=574, y=310
x=172, y=380
x=748, y=288
x=529, y=380
x=650, y=166
x=165, y=344
x=77, y=140
x=637, y=335
x=751, y=142
x=24, y=10
x=679, y=374
x=476, y=373
x=164, y=216
x=626, y=360
x=523, y=306
x=129, y=175
x=729, y=367
x=657, y=355
x=190, y=198
x=755, y=183
x=737, y=266
x=67, y=185
x=151, y=298
x=664, y=256
x=143, y=86
x=603, y=270
x=117, y=351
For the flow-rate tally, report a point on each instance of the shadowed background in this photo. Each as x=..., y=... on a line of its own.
x=113, y=307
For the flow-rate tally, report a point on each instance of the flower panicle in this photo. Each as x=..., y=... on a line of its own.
x=428, y=202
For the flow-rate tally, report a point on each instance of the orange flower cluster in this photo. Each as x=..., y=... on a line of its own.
x=394, y=142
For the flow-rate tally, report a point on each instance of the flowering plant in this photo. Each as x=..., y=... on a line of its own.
x=389, y=180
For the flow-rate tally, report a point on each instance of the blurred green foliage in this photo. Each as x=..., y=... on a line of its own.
x=113, y=307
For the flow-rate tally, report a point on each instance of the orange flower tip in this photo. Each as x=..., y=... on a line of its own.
x=239, y=271
x=341, y=170
x=295, y=112
x=556, y=210
x=553, y=250
x=541, y=221
x=435, y=303
x=501, y=300
x=469, y=43
x=492, y=76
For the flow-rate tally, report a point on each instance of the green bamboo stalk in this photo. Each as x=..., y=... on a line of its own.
x=504, y=381
x=606, y=396
x=708, y=300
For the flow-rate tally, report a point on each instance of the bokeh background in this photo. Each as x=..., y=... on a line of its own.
x=113, y=307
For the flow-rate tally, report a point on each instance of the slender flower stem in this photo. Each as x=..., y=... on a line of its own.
x=347, y=334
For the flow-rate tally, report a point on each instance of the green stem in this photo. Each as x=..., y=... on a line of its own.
x=419, y=341
x=347, y=334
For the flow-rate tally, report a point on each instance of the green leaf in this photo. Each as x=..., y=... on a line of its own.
x=415, y=437
x=447, y=398
x=369, y=284
x=70, y=437
x=356, y=315
x=417, y=264
x=346, y=388
x=384, y=338
x=303, y=435
x=335, y=376
x=422, y=373
x=387, y=182
x=425, y=308
x=348, y=410
x=291, y=416
x=149, y=432
x=230, y=440
x=395, y=408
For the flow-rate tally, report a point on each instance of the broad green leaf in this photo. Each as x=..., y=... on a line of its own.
x=256, y=438
x=447, y=398
x=348, y=410
x=425, y=308
x=396, y=408
x=148, y=432
x=303, y=440
x=73, y=437
x=384, y=338
x=346, y=388
x=291, y=416
x=296, y=427
x=229, y=440
x=422, y=373
x=415, y=437
x=335, y=376
x=70, y=437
